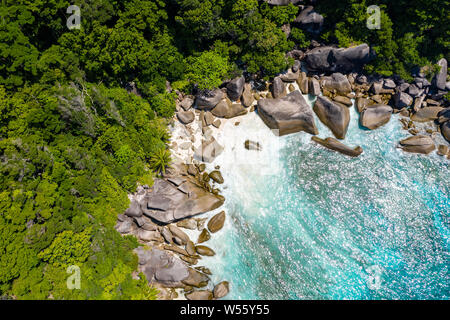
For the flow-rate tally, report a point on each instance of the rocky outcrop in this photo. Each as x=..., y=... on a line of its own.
x=418, y=144
x=314, y=87
x=216, y=223
x=208, y=150
x=445, y=130
x=216, y=176
x=186, y=103
x=226, y=109
x=309, y=20
x=289, y=114
x=252, y=145
x=426, y=114
x=402, y=100
x=208, y=100
x=199, y=295
x=247, y=96
x=334, y=115
x=336, y=145
x=440, y=79
x=221, y=289
x=235, y=88
x=329, y=59
x=185, y=117
x=278, y=88
x=165, y=202
x=337, y=82
x=375, y=116
x=204, y=251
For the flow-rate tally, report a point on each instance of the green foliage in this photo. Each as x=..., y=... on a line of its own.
x=207, y=70
x=300, y=38
x=160, y=160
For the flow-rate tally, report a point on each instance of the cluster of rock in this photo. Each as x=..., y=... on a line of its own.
x=157, y=217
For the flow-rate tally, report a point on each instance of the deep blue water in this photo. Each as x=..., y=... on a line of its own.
x=327, y=226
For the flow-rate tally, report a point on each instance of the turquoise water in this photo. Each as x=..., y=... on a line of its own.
x=327, y=226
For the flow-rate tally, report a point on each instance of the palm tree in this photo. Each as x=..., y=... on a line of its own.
x=160, y=160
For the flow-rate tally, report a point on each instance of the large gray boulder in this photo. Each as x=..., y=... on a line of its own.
x=426, y=114
x=418, y=144
x=375, y=116
x=289, y=114
x=134, y=210
x=402, y=100
x=228, y=110
x=185, y=117
x=278, y=88
x=329, y=59
x=208, y=100
x=440, y=79
x=235, y=88
x=309, y=20
x=208, y=151
x=337, y=81
x=166, y=203
x=334, y=115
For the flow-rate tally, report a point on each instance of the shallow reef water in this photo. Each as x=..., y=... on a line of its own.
x=307, y=223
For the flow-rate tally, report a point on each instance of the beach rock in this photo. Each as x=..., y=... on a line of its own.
x=329, y=59
x=235, y=88
x=445, y=130
x=216, y=176
x=208, y=118
x=177, y=232
x=418, y=144
x=362, y=103
x=289, y=114
x=442, y=150
x=187, y=103
x=199, y=295
x=226, y=109
x=309, y=20
x=247, y=96
x=413, y=91
x=252, y=145
x=337, y=81
x=278, y=88
x=196, y=279
x=216, y=223
x=344, y=100
x=402, y=100
x=440, y=79
x=126, y=226
x=389, y=84
x=185, y=117
x=375, y=116
x=146, y=235
x=297, y=65
x=426, y=114
x=208, y=151
x=166, y=203
x=336, y=145
x=134, y=210
x=217, y=123
x=162, y=267
x=190, y=224
x=204, y=251
x=221, y=289
x=204, y=236
x=334, y=115
x=314, y=87
x=303, y=83
x=167, y=235
x=190, y=248
x=208, y=100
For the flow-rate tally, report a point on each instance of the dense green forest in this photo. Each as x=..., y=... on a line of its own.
x=74, y=142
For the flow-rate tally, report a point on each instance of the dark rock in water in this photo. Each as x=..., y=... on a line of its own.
x=204, y=251
x=289, y=114
x=252, y=145
x=309, y=20
x=418, y=144
x=375, y=116
x=185, y=117
x=207, y=101
x=165, y=203
x=134, y=210
x=336, y=145
x=162, y=267
x=235, y=88
x=402, y=100
x=199, y=295
x=328, y=59
x=221, y=290
x=334, y=115
x=216, y=223
x=337, y=82
x=190, y=224
x=442, y=150
x=440, y=79
x=204, y=236
x=278, y=88
x=196, y=279
x=190, y=248
x=445, y=130
x=426, y=114
x=216, y=176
